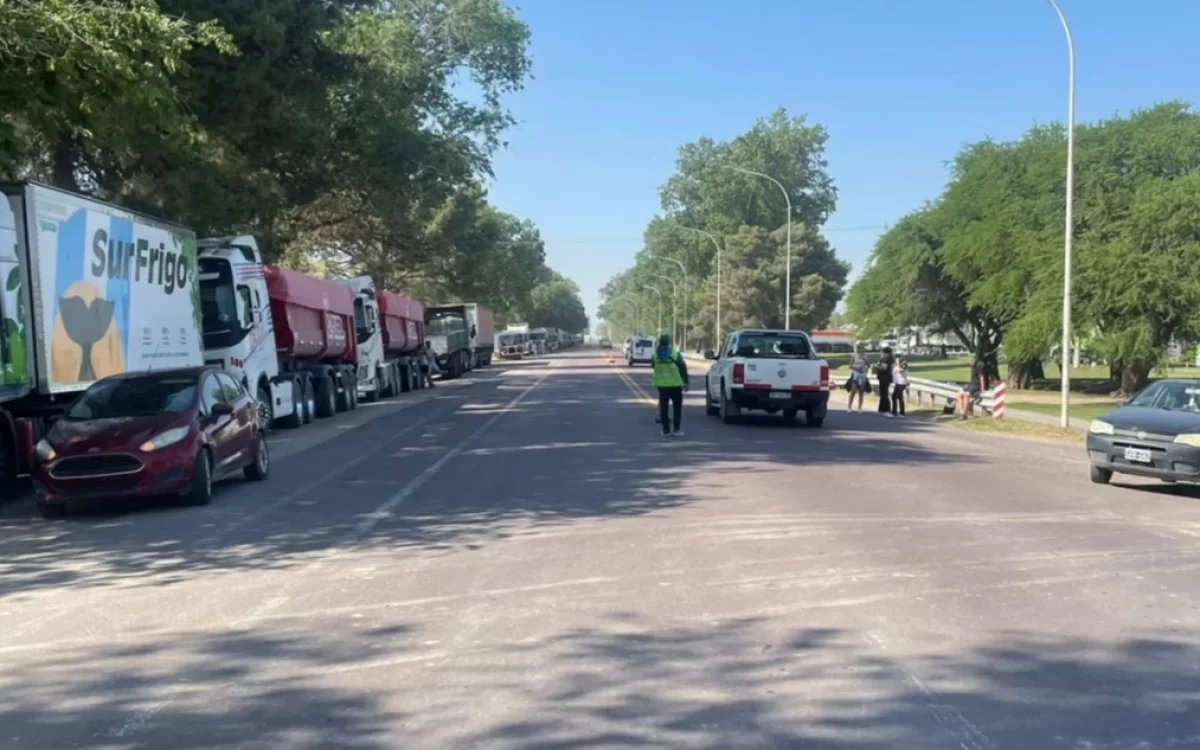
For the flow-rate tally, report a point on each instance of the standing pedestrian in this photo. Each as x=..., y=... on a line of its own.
x=899, y=386
x=858, y=384
x=429, y=366
x=883, y=374
x=670, y=378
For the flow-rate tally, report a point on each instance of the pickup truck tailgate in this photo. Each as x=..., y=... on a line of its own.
x=783, y=374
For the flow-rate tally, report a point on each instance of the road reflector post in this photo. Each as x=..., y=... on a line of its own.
x=998, y=400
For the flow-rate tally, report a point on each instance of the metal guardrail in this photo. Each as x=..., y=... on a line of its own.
x=991, y=401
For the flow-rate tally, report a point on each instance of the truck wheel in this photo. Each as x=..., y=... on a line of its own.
x=295, y=420
x=51, y=510
x=813, y=421
x=790, y=414
x=406, y=379
x=266, y=409
x=353, y=395
x=342, y=400
x=8, y=458
x=200, y=493
x=310, y=400
x=326, y=403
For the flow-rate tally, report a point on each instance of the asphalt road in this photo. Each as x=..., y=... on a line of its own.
x=520, y=561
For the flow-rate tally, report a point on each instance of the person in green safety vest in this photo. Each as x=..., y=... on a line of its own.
x=671, y=379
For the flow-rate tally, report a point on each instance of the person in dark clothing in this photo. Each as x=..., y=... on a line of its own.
x=973, y=389
x=883, y=374
x=671, y=379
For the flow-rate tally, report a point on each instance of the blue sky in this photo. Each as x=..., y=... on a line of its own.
x=619, y=85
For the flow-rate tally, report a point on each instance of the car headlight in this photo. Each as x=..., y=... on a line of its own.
x=44, y=451
x=1097, y=427
x=164, y=439
x=1191, y=439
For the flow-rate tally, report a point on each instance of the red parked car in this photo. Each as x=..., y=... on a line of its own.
x=171, y=432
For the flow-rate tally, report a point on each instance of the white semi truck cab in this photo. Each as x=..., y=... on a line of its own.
x=389, y=340
x=236, y=321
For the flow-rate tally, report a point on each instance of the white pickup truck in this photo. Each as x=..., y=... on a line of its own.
x=767, y=370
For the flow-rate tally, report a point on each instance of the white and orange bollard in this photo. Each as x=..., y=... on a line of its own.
x=998, y=400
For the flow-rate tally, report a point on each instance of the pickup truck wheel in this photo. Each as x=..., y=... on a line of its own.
x=326, y=405
x=1100, y=475
x=790, y=414
x=813, y=421
x=200, y=493
x=710, y=408
x=266, y=410
x=728, y=410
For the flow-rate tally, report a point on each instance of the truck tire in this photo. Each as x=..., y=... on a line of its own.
x=8, y=458
x=342, y=399
x=709, y=407
x=406, y=380
x=266, y=409
x=310, y=399
x=353, y=394
x=325, y=397
x=295, y=420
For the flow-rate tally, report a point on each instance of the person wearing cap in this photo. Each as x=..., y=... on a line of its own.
x=671, y=379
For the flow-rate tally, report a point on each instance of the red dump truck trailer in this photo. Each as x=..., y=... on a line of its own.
x=403, y=323
x=314, y=340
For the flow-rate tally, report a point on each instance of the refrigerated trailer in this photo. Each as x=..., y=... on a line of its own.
x=87, y=290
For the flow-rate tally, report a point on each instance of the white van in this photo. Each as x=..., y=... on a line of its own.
x=641, y=349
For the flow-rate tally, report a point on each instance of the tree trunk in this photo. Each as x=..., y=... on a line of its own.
x=64, y=162
x=1134, y=377
x=1022, y=374
x=1115, y=368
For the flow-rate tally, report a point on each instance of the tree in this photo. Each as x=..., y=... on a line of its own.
x=748, y=215
x=85, y=80
x=989, y=251
x=555, y=303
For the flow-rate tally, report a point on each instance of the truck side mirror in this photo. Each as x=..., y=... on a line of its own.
x=710, y=354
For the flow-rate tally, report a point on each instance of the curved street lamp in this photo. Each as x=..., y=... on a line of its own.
x=685, y=293
x=787, y=281
x=657, y=291
x=717, y=330
x=674, y=294
x=1069, y=220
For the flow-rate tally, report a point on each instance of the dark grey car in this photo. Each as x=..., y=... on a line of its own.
x=1155, y=434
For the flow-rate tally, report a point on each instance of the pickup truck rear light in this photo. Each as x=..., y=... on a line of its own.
x=824, y=376
x=739, y=373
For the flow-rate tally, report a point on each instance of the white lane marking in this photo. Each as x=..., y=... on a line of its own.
x=135, y=723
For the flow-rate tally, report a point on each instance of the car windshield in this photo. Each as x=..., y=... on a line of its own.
x=774, y=346
x=1170, y=395
x=135, y=397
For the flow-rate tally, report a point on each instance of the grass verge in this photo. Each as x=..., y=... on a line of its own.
x=1017, y=428
x=1077, y=411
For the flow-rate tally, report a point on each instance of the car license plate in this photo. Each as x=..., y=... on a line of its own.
x=1139, y=455
x=782, y=395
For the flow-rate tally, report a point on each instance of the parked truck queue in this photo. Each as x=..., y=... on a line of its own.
x=126, y=324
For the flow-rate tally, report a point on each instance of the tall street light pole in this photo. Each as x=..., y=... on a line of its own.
x=685, y=294
x=717, y=330
x=787, y=281
x=657, y=291
x=1069, y=231
x=674, y=294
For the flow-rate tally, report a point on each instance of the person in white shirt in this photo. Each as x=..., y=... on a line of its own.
x=899, y=386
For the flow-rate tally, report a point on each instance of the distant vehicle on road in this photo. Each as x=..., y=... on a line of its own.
x=171, y=432
x=512, y=344
x=1155, y=434
x=641, y=349
x=767, y=370
x=605, y=344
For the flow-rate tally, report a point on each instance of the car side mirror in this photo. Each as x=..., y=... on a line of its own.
x=221, y=409
x=710, y=354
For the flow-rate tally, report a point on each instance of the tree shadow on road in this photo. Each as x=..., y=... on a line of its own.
x=202, y=689
x=746, y=683
x=577, y=449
